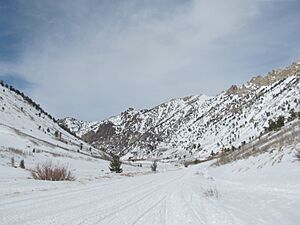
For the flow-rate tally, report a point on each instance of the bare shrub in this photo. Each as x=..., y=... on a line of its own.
x=48, y=171
x=12, y=161
x=16, y=151
x=288, y=135
x=199, y=173
x=211, y=192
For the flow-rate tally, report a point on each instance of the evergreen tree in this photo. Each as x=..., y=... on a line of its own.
x=293, y=115
x=154, y=166
x=280, y=121
x=22, y=164
x=276, y=125
x=56, y=134
x=272, y=125
x=115, y=164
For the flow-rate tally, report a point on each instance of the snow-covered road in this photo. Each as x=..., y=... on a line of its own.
x=175, y=197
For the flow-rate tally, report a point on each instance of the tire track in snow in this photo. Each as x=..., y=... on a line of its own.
x=54, y=198
x=114, y=212
x=149, y=210
x=189, y=205
x=68, y=193
x=151, y=195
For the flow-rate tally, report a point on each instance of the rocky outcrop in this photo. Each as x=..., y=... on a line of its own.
x=232, y=90
x=105, y=131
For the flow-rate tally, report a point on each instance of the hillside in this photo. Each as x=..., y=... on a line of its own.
x=29, y=133
x=26, y=128
x=198, y=126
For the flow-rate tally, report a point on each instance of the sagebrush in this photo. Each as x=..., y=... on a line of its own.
x=211, y=192
x=49, y=171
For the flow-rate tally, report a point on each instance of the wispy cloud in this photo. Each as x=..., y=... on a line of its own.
x=92, y=59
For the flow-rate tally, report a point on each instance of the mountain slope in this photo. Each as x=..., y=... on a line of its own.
x=142, y=128
x=26, y=126
x=197, y=126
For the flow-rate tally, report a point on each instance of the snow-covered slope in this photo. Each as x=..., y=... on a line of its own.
x=196, y=126
x=26, y=127
x=143, y=129
x=259, y=190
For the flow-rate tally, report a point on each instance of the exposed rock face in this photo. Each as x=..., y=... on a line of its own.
x=105, y=131
x=232, y=90
x=268, y=80
x=196, y=125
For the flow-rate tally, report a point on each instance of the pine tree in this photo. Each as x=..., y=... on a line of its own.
x=115, y=164
x=56, y=134
x=22, y=164
x=272, y=125
x=276, y=125
x=280, y=121
x=154, y=166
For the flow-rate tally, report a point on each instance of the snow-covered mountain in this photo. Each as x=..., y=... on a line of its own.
x=26, y=128
x=196, y=126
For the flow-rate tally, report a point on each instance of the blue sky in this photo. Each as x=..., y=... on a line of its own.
x=92, y=59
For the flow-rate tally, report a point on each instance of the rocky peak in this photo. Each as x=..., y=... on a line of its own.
x=232, y=90
x=269, y=79
x=276, y=75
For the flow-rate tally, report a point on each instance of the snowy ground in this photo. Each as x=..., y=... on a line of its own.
x=259, y=190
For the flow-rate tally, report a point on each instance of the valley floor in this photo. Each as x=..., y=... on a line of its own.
x=194, y=195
